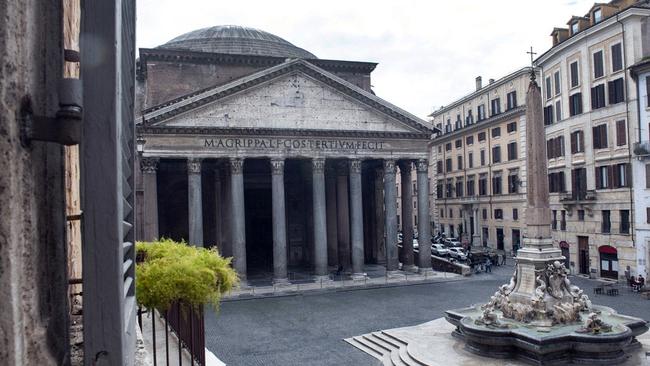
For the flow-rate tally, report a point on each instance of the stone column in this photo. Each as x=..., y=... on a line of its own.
x=380, y=228
x=279, y=223
x=320, y=220
x=390, y=204
x=226, y=213
x=476, y=238
x=343, y=216
x=238, y=218
x=195, y=202
x=332, y=218
x=356, y=217
x=218, y=203
x=149, y=168
x=407, y=217
x=424, y=231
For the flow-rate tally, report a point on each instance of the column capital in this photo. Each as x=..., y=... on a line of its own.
x=318, y=165
x=405, y=167
x=422, y=165
x=277, y=166
x=149, y=165
x=389, y=166
x=194, y=165
x=237, y=165
x=355, y=166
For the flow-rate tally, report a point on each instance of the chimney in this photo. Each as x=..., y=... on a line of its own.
x=479, y=83
x=491, y=81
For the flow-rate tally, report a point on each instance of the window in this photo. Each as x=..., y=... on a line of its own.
x=459, y=143
x=647, y=89
x=647, y=215
x=470, y=160
x=556, y=80
x=512, y=100
x=549, y=91
x=459, y=188
x=579, y=183
x=548, y=115
x=615, y=89
x=496, y=154
x=470, y=187
x=600, y=137
x=448, y=188
x=451, y=216
x=556, y=182
x=482, y=186
x=606, y=225
x=448, y=165
x=496, y=184
x=469, y=119
x=439, y=167
x=460, y=162
x=625, y=222
x=575, y=104
x=598, y=64
x=448, y=146
x=484, y=214
x=617, y=58
x=512, y=151
x=574, y=28
x=439, y=192
x=439, y=127
x=459, y=123
x=481, y=136
x=598, y=96
x=647, y=175
x=498, y=214
x=415, y=204
x=563, y=221
x=555, y=147
x=515, y=214
x=496, y=132
x=511, y=127
x=439, y=149
x=575, y=76
x=558, y=110
x=513, y=183
x=496, y=106
x=469, y=140
x=554, y=220
x=621, y=175
x=621, y=133
x=598, y=15
x=482, y=157
x=481, y=112
x=603, y=177
x=581, y=215
x=577, y=142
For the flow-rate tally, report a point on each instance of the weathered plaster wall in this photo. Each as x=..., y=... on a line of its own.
x=33, y=282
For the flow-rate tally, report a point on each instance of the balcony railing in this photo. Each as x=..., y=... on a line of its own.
x=578, y=196
x=642, y=148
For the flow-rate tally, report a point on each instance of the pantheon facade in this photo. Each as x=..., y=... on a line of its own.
x=278, y=158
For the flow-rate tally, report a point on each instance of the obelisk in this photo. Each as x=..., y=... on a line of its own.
x=537, y=250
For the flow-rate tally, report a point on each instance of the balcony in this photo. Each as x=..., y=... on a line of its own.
x=642, y=149
x=578, y=197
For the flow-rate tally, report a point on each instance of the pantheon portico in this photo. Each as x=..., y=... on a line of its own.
x=277, y=158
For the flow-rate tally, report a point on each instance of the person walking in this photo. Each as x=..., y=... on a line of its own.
x=488, y=265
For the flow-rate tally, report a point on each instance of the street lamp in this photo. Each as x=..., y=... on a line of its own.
x=139, y=144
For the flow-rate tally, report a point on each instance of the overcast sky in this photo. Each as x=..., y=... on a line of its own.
x=429, y=52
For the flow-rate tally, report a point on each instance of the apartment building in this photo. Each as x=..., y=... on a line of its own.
x=478, y=165
x=591, y=118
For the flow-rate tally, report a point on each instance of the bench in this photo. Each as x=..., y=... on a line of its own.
x=598, y=290
x=612, y=291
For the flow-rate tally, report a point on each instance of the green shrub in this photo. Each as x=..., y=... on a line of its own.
x=171, y=271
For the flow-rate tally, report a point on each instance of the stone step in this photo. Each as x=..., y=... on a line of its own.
x=393, y=339
x=396, y=360
x=363, y=346
x=387, y=340
x=385, y=347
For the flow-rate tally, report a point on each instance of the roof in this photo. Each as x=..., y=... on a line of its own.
x=234, y=39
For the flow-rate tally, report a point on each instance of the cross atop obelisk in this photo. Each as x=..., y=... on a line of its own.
x=532, y=61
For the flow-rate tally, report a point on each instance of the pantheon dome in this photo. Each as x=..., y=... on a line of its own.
x=234, y=39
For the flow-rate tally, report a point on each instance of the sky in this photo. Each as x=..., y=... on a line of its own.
x=429, y=52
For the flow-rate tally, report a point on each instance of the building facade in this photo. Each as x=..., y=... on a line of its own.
x=478, y=167
x=591, y=118
x=279, y=159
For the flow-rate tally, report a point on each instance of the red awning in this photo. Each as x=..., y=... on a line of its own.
x=607, y=249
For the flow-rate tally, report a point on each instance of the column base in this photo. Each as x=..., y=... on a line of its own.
x=426, y=272
x=281, y=282
x=409, y=268
x=395, y=275
x=359, y=276
x=323, y=279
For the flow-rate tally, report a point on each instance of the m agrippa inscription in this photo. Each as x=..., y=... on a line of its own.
x=293, y=144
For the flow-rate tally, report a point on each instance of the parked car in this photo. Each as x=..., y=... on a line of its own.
x=439, y=250
x=458, y=253
x=451, y=243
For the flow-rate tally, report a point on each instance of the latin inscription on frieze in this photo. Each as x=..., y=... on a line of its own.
x=292, y=144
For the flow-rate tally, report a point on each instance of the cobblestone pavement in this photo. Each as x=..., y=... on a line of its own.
x=308, y=329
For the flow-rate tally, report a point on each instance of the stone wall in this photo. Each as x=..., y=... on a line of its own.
x=33, y=280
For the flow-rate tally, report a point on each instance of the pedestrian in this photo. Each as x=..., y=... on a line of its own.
x=641, y=282
x=488, y=265
x=503, y=259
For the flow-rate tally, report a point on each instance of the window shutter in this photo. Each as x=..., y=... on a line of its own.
x=616, y=172
x=594, y=97
x=610, y=176
x=620, y=133
x=611, y=92
x=647, y=175
x=574, y=137
x=628, y=175
x=599, y=179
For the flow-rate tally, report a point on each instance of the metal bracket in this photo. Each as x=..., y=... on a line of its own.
x=65, y=127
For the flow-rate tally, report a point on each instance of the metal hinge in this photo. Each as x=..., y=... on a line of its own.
x=65, y=126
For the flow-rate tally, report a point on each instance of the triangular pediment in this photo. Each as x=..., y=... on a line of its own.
x=295, y=95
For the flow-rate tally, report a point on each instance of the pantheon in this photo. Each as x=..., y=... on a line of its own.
x=278, y=158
